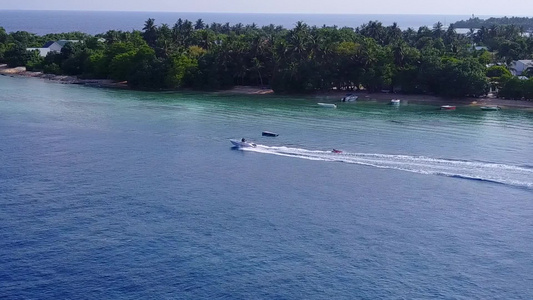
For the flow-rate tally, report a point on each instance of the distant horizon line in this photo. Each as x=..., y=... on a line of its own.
x=264, y=13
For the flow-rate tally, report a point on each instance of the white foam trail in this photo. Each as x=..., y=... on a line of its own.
x=494, y=172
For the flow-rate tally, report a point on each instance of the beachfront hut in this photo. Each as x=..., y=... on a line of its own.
x=52, y=46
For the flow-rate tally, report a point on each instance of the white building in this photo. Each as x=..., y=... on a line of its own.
x=52, y=47
x=519, y=66
x=42, y=51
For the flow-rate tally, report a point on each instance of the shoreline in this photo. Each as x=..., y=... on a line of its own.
x=334, y=96
x=431, y=99
x=329, y=96
x=64, y=79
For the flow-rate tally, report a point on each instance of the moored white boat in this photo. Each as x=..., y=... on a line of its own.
x=349, y=98
x=328, y=105
x=395, y=102
x=490, y=107
x=241, y=144
x=448, y=107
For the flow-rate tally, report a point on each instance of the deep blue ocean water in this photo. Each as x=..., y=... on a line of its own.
x=92, y=22
x=111, y=194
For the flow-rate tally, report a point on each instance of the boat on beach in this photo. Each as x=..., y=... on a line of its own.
x=328, y=105
x=448, y=107
x=490, y=107
x=242, y=144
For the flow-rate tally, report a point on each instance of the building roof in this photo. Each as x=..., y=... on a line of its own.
x=526, y=61
x=62, y=43
x=48, y=44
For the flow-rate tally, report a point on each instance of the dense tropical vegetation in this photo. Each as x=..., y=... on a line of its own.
x=372, y=57
x=524, y=23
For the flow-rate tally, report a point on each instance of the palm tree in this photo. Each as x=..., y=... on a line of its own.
x=199, y=24
x=424, y=31
x=164, y=41
x=394, y=33
x=176, y=33
x=150, y=32
x=375, y=30
x=249, y=28
x=111, y=37
x=226, y=28
x=398, y=51
x=470, y=35
x=298, y=40
x=409, y=36
x=494, y=30
x=437, y=30
x=186, y=33
x=257, y=66
x=238, y=28
x=206, y=38
x=481, y=35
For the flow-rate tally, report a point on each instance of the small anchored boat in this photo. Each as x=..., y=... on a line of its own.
x=328, y=105
x=269, y=133
x=349, y=98
x=448, y=107
x=490, y=107
x=395, y=102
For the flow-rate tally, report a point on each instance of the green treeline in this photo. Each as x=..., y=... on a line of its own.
x=523, y=23
x=303, y=59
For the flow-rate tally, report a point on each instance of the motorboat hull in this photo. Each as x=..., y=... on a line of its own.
x=349, y=98
x=490, y=108
x=328, y=105
x=269, y=133
x=448, y=107
x=395, y=102
x=241, y=144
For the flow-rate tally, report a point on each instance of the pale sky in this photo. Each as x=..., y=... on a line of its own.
x=442, y=7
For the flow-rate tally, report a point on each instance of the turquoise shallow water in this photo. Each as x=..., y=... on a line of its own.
x=121, y=195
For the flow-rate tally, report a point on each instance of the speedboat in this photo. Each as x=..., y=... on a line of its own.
x=328, y=105
x=490, y=107
x=241, y=144
x=349, y=98
x=448, y=107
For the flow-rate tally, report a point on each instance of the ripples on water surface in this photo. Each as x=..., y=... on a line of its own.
x=120, y=194
x=498, y=173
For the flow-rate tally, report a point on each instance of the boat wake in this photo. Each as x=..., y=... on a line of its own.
x=520, y=176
